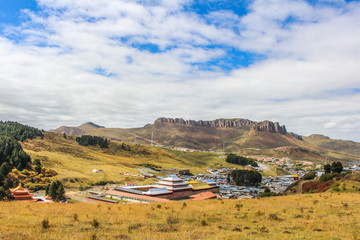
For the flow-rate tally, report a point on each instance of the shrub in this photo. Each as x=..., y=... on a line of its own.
x=204, y=223
x=172, y=220
x=267, y=193
x=95, y=223
x=335, y=187
x=309, y=176
x=45, y=224
x=326, y=177
x=274, y=216
x=134, y=226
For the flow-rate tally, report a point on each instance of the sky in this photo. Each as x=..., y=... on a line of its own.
x=122, y=63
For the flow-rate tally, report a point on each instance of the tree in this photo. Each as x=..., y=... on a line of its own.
x=336, y=167
x=228, y=179
x=327, y=168
x=36, y=162
x=38, y=169
x=64, y=135
x=5, y=194
x=267, y=193
x=56, y=191
x=246, y=178
x=233, y=158
x=309, y=176
x=5, y=169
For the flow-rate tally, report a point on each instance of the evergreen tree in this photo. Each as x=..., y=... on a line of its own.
x=246, y=178
x=327, y=168
x=5, y=194
x=336, y=167
x=5, y=169
x=38, y=169
x=56, y=191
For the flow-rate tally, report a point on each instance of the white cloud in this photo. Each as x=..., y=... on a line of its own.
x=306, y=80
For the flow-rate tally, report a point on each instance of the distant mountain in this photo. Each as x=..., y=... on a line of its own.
x=232, y=135
x=325, y=142
x=90, y=125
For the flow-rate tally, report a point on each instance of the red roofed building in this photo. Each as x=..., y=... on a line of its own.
x=20, y=193
x=203, y=196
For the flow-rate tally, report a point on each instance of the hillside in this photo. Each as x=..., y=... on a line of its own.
x=74, y=163
x=325, y=142
x=335, y=183
x=310, y=216
x=232, y=135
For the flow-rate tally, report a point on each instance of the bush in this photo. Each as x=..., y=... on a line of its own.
x=204, y=223
x=336, y=187
x=102, y=183
x=326, y=177
x=45, y=223
x=172, y=220
x=309, y=176
x=95, y=223
x=233, y=158
x=267, y=193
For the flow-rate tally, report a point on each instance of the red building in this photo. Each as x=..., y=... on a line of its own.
x=21, y=193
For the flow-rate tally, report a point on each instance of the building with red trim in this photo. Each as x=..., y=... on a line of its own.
x=20, y=194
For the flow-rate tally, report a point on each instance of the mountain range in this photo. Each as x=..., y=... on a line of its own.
x=239, y=135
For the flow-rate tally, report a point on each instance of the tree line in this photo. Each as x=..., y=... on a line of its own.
x=335, y=167
x=86, y=140
x=19, y=131
x=233, y=158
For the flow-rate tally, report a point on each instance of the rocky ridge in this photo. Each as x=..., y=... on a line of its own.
x=264, y=126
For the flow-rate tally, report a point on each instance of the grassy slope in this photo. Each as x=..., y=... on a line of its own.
x=71, y=160
x=315, y=216
x=349, y=147
x=242, y=140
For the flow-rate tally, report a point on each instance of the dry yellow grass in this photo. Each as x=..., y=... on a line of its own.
x=71, y=160
x=316, y=216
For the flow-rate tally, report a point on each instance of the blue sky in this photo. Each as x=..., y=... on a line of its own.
x=125, y=63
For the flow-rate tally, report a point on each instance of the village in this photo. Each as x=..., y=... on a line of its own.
x=180, y=184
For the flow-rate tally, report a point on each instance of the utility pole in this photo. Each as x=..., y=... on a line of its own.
x=152, y=138
x=325, y=157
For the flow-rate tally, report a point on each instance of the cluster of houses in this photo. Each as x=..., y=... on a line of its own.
x=184, y=149
x=292, y=166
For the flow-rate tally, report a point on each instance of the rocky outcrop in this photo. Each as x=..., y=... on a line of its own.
x=294, y=135
x=265, y=126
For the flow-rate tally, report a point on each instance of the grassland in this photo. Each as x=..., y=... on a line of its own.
x=242, y=140
x=74, y=162
x=308, y=216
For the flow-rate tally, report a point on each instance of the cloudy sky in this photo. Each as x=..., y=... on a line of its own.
x=124, y=63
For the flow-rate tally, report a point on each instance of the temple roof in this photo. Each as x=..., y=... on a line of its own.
x=203, y=196
x=172, y=178
x=200, y=186
x=157, y=191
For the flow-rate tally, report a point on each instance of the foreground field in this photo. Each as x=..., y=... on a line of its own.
x=315, y=216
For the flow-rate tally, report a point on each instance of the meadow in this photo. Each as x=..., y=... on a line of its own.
x=74, y=163
x=304, y=216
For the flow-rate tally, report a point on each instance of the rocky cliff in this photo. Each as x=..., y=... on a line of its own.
x=265, y=126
